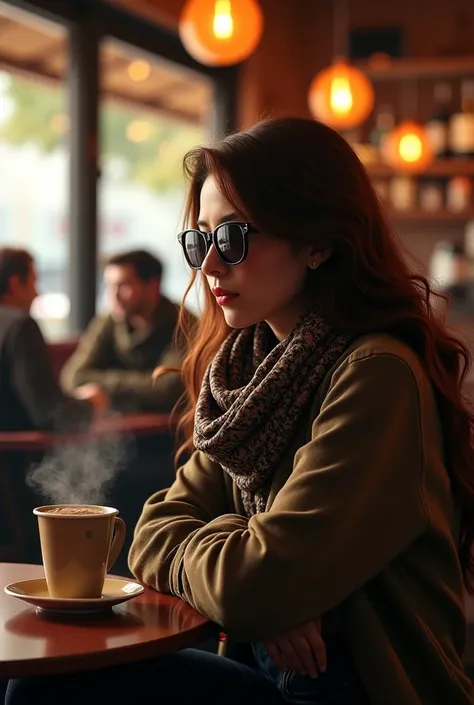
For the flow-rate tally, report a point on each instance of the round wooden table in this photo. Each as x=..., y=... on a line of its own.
x=32, y=643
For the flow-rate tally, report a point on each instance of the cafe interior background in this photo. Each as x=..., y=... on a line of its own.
x=99, y=101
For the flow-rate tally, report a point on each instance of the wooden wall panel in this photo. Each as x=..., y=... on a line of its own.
x=275, y=80
x=298, y=41
x=430, y=25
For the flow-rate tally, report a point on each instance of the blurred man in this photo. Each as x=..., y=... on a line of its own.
x=119, y=352
x=30, y=397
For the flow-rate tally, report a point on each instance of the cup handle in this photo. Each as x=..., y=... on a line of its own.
x=117, y=541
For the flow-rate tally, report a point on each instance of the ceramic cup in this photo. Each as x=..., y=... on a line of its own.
x=79, y=544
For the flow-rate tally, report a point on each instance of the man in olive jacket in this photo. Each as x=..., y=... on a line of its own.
x=119, y=352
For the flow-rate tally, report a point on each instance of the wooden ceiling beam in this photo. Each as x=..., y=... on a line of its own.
x=162, y=12
x=32, y=69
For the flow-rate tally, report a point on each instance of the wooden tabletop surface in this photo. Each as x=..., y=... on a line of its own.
x=32, y=643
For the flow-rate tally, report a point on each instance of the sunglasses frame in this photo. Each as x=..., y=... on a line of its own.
x=210, y=239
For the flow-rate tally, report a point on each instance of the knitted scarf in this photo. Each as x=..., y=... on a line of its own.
x=251, y=400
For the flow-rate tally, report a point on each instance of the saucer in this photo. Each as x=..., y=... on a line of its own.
x=35, y=592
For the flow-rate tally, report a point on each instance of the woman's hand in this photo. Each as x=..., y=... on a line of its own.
x=301, y=649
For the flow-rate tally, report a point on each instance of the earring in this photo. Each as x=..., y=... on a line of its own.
x=313, y=264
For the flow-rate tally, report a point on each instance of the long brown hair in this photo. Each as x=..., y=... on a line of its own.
x=299, y=180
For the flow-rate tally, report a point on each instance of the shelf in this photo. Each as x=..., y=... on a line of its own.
x=384, y=68
x=442, y=168
x=419, y=215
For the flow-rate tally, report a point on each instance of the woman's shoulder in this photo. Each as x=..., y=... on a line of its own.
x=372, y=355
x=378, y=345
x=372, y=373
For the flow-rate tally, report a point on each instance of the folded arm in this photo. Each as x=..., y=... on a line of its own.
x=171, y=517
x=93, y=355
x=131, y=390
x=353, y=502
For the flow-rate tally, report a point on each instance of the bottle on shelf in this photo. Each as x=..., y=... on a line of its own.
x=458, y=194
x=449, y=266
x=451, y=273
x=437, y=127
x=461, y=126
x=402, y=193
x=431, y=195
x=384, y=122
x=469, y=243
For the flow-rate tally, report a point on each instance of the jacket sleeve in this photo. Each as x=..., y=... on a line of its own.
x=129, y=390
x=172, y=516
x=92, y=356
x=141, y=391
x=34, y=382
x=134, y=390
x=352, y=503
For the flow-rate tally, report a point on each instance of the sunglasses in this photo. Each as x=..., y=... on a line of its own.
x=229, y=239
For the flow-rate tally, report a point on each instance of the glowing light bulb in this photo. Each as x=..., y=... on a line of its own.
x=341, y=95
x=410, y=148
x=138, y=131
x=220, y=32
x=407, y=147
x=139, y=70
x=223, y=22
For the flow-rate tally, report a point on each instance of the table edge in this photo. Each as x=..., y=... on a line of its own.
x=158, y=424
x=108, y=657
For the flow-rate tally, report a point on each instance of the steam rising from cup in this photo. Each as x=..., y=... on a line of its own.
x=81, y=473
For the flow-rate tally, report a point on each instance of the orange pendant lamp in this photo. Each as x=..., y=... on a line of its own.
x=221, y=32
x=407, y=147
x=341, y=95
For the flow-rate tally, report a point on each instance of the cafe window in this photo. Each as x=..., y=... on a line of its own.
x=152, y=112
x=69, y=203
x=34, y=152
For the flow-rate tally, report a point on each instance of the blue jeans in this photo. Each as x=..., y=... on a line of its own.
x=339, y=685
x=192, y=677
x=188, y=677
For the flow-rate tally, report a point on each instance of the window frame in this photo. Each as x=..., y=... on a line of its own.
x=88, y=23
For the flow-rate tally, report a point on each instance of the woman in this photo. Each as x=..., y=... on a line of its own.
x=329, y=499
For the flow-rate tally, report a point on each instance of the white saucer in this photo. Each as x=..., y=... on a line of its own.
x=35, y=592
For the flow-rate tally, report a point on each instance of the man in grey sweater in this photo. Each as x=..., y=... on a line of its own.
x=30, y=397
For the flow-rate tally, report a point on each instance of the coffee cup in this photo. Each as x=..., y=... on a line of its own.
x=79, y=545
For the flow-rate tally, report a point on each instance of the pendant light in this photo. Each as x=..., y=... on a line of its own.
x=341, y=95
x=221, y=32
x=407, y=147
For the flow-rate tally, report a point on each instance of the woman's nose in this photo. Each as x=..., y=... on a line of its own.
x=213, y=265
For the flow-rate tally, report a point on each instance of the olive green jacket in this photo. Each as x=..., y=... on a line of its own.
x=360, y=518
x=121, y=361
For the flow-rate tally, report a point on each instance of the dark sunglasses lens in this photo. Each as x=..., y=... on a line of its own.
x=230, y=242
x=195, y=247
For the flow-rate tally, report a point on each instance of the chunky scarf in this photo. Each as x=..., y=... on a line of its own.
x=251, y=402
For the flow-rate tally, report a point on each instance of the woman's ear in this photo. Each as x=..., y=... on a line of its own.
x=317, y=257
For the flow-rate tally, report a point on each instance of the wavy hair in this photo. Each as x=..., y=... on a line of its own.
x=300, y=180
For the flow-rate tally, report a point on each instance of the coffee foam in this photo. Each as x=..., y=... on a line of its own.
x=74, y=511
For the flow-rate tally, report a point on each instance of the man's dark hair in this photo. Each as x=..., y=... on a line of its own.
x=13, y=261
x=145, y=265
